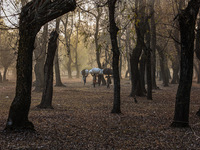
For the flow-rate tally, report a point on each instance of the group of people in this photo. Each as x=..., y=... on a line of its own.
x=97, y=72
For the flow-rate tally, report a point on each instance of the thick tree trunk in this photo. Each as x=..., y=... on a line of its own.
x=40, y=54
x=113, y=35
x=29, y=25
x=136, y=53
x=48, y=73
x=135, y=74
x=187, y=19
x=18, y=115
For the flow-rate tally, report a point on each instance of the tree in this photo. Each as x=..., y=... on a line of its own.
x=187, y=19
x=113, y=36
x=68, y=34
x=40, y=53
x=32, y=17
x=76, y=45
x=153, y=44
x=163, y=65
x=140, y=27
x=56, y=60
x=175, y=61
x=48, y=72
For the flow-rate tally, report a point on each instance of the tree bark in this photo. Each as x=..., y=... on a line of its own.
x=113, y=35
x=143, y=61
x=48, y=73
x=4, y=73
x=56, y=59
x=148, y=52
x=76, y=47
x=40, y=54
x=153, y=45
x=136, y=53
x=1, y=79
x=187, y=19
x=163, y=66
x=127, y=42
x=197, y=50
x=32, y=17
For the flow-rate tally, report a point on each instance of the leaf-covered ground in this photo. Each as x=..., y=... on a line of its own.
x=81, y=119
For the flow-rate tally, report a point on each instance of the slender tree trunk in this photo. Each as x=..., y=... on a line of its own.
x=198, y=75
x=187, y=19
x=127, y=42
x=56, y=59
x=143, y=71
x=153, y=46
x=48, y=73
x=69, y=68
x=163, y=66
x=29, y=25
x=97, y=46
x=149, y=77
x=76, y=57
x=1, y=79
x=4, y=73
x=113, y=35
x=76, y=48
x=120, y=58
x=175, y=68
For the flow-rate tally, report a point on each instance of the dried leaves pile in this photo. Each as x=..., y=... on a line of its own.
x=81, y=119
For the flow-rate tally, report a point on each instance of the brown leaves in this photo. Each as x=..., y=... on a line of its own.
x=81, y=119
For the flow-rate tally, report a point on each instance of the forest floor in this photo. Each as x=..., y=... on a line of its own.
x=81, y=119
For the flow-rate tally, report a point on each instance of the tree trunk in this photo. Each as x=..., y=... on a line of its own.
x=18, y=115
x=187, y=19
x=175, y=68
x=143, y=71
x=1, y=79
x=97, y=46
x=198, y=75
x=136, y=53
x=4, y=73
x=163, y=66
x=148, y=52
x=76, y=49
x=113, y=35
x=40, y=54
x=197, y=50
x=29, y=25
x=153, y=46
x=56, y=60
x=48, y=73
x=69, y=65
x=127, y=42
